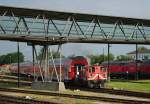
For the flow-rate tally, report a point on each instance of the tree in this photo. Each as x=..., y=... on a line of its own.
x=100, y=58
x=142, y=48
x=11, y=58
x=55, y=54
x=123, y=58
x=111, y=57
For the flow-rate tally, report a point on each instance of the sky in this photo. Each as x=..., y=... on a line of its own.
x=127, y=8
x=123, y=8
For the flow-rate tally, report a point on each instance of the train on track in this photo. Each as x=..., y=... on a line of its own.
x=128, y=69
x=74, y=70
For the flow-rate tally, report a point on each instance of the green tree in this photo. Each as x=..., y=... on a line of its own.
x=11, y=58
x=123, y=58
x=111, y=57
x=142, y=48
x=100, y=58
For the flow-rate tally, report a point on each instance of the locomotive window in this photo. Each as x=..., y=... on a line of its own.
x=103, y=69
x=92, y=69
x=123, y=64
x=79, y=67
x=147, y=62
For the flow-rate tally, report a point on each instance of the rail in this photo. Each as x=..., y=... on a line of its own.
x=117, y=100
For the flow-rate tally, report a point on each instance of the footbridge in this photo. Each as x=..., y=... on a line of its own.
x=54, y=27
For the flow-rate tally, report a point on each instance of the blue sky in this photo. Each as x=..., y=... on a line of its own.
x=127, y=8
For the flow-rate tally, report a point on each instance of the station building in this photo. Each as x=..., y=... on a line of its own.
x=142, y=54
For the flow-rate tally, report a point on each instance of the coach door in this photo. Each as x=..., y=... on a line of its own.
x=79, y=71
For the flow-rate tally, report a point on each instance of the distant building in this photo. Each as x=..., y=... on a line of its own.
x=142, y=54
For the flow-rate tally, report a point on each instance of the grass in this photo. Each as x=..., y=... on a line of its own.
x=7, y=85
x=13, y=85
x=132, y=85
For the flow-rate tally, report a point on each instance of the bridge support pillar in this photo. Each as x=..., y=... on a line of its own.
x=43, y=81
x=51, y=86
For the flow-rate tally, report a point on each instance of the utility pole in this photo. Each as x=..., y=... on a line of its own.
x=33, y=60
x=18, y=64
x=103, y=55
x=10, y=59
x=108, y=62
x=136, y=63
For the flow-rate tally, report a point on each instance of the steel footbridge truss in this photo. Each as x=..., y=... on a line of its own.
x=53, y=27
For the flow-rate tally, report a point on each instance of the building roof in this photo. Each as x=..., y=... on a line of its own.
x=140, y=51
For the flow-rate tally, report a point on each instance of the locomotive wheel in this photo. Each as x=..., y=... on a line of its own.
x=90, y=85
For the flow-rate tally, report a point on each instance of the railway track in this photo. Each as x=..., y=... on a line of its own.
x=112, y=91
x=18, y=100
x=105, y=99
x=15, y=77
x=25, y=83
x=97, y=90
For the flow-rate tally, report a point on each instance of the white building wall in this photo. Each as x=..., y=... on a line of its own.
x=141, y=56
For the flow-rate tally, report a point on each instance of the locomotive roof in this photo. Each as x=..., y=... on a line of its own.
x=116, y=62
x=121, y=62
x=65, y=60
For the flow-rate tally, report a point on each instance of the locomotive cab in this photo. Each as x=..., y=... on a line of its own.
x=97, y=76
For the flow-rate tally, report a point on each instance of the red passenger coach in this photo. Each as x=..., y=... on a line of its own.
x=26, y=68
x=116, y=68
x=121, y=69
x=144, y=69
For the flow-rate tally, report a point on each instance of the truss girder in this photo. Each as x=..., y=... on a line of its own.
x=43, y=28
